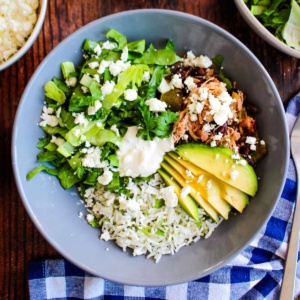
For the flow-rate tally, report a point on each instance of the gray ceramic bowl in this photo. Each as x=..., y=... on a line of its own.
x=36, y=30
x=263, y=32
x=54, y=211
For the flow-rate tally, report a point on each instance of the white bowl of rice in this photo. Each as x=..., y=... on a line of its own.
x=20, y=24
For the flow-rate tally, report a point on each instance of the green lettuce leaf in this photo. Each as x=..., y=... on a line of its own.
x=162, y=57
x=54, y=93
x=118, y=37
x=133, y=75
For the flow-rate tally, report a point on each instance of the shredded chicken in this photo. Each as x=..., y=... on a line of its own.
x=181, y=126
x=202, y=127
x=212, y=115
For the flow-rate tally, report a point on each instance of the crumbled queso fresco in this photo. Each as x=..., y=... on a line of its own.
x=17, y=19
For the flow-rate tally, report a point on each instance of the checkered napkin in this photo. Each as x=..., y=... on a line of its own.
x=254, y=274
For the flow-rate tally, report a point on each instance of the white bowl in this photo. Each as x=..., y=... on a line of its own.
x=263, y=32
x=36, y=30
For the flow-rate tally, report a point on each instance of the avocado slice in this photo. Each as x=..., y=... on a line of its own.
x=187, y=203
x=195, y=195
x=207, y=188
x=235, y=197
x=219, y=162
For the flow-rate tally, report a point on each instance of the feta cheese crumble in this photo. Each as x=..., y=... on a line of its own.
x=155, y=104
x=169, y=196
x=176, y=81
x=201, y=61
x=146, y=76
x=48, y=118
x=108, y=45
x=164, y=86
x=115, y=129
x=71, y=81
x=93, y=109
x=80, y=119
x=189, y=173
x=94, y=64
x=107, y=87
x=106, y=177
x=185, y=191
x=189, y=82
x=92, y=158
x=124, y=55
x=251, y=140
x=130, y=95
x=115, y=68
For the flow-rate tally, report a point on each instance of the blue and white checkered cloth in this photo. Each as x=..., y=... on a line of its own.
x=254, y=274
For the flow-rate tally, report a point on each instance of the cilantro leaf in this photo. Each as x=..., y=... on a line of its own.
x=164, y=124
x=218, y=61
x=156, y=124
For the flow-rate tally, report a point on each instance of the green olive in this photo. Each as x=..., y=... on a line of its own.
x=173, y=98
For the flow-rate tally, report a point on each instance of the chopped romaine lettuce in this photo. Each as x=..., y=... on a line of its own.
x=54, y=93
x=68, y=69
x=162, y=57
x=118, y=37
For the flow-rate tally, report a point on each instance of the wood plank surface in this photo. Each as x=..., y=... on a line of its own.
x=20, y=242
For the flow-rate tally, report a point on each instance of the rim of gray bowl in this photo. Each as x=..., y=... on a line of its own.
x=263, y=32
x=36, y=30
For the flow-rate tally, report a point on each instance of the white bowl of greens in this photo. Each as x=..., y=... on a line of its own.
x=276, y=21
x=97, y=108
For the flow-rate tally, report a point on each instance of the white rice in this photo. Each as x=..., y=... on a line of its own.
x=125, y=220
x=17, y=20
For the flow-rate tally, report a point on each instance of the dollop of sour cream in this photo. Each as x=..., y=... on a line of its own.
x=138, y=157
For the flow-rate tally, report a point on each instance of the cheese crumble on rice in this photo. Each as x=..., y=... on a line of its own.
x=135, y=222
x=17, y=20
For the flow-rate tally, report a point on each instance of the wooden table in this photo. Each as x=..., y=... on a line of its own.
x=19, y=240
